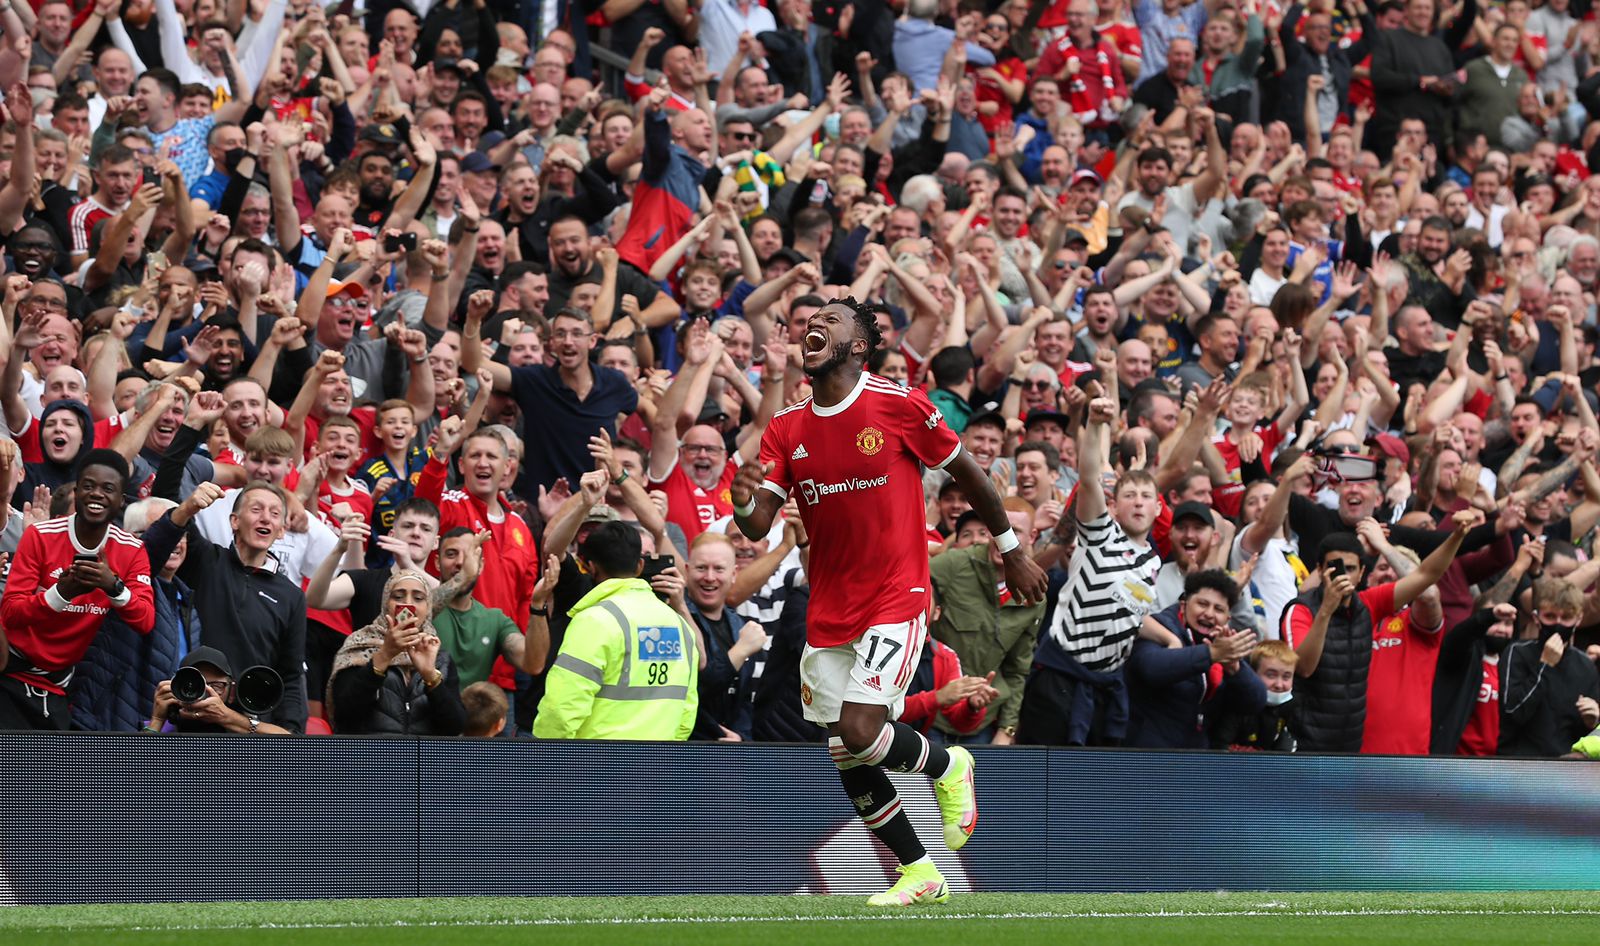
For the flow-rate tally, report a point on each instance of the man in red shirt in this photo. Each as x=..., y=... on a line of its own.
x=696, y=474
x=853, y=451
x=510, y=558
x=1332, y=627
x=67, y=575
x=1087, y=67
x=1405, y=651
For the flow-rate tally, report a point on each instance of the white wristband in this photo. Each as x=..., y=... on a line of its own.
x=744, y=512
x=1006, y=541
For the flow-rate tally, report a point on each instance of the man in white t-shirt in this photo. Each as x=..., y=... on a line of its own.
x=1185, y=203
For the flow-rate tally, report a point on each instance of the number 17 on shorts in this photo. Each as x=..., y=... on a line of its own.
x=875, y=668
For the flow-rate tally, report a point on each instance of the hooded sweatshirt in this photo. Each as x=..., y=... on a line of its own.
x=49, y=473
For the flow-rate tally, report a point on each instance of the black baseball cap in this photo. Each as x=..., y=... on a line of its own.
x=1038, y=417
x=1192, y=509
x=208, y=655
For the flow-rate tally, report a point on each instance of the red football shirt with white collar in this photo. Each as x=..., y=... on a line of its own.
x=53, y=633
x=510, y=558
x=857, y=469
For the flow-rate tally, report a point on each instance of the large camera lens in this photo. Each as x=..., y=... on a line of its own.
x=259, y=690
x=189, y=685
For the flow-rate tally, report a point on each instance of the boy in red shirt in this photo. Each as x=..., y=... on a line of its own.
x=1248, y=438
x=67, y=575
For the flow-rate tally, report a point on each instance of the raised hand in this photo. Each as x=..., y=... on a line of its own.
x=747, y=480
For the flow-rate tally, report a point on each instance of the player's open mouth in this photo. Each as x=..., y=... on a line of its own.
x=94, y=508
x=816, y=340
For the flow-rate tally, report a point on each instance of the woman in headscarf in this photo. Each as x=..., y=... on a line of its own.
x=391, y=676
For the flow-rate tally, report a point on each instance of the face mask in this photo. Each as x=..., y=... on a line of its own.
x=232, y=157
x=1278, y=699
x=1565, y=630
x=830, y=125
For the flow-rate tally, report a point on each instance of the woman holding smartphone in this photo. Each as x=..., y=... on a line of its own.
x=391, y=677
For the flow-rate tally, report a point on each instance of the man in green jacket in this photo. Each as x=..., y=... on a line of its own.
x=987, y=628
x=628, y=667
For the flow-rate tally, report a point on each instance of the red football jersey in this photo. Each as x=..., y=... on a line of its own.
x=1400, y=687
x=510, y=558
x=55, y=637
x=1482, y=735
x=359, y=498
x=692, y=508
x=856, y=468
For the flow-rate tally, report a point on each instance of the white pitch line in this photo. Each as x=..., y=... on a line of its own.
x=832, y=918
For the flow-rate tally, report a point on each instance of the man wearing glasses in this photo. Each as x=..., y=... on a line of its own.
x=562, y=405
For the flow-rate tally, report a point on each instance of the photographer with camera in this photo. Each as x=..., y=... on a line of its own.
x=392, y=676
x=204, y=696
x=247, y=608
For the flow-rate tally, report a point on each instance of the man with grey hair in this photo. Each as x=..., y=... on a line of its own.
x=925, y=195
x=920, y=46
x=1583, y=261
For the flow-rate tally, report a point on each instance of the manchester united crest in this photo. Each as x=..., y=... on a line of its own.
x=805, y=694
x=869, y=441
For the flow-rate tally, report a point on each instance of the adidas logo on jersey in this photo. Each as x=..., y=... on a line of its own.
x=799, y=453
x=874, y=683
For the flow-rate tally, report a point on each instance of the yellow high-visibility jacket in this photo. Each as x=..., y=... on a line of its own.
x=627, y=669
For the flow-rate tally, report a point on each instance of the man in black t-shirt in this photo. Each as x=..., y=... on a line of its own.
x=572, y=261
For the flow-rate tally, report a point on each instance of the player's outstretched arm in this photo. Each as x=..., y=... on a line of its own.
x=1024, y=577
x=754, y=508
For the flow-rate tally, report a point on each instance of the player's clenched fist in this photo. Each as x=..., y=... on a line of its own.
x=749, y=479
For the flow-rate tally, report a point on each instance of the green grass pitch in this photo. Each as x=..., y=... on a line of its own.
x=1188, y=919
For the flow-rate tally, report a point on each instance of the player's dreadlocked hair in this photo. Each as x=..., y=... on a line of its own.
x=866, y=314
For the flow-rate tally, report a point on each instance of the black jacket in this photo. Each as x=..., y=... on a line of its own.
x=1457, y=677
x=1168, y=702
x=1333, y=700
x=1538, y=703
x=1400, y=59
x=255, y=616
x=1300, y=63
x=1269, y=730
x=778, y=714
x=399, y=703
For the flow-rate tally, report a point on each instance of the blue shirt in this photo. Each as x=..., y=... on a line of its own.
x=210, y=188
x=557, y=426
x=188, y=143
x=1157, y=30
x=919, y=48
x=1323, y=274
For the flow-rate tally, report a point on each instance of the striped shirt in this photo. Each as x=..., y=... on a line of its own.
x=1110, y=588
x=82, y=218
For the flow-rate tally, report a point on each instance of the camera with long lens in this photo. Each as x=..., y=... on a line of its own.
x=257, y=692
x=189, y=685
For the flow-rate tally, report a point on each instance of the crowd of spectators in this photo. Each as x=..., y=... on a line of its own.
x=404, y=349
